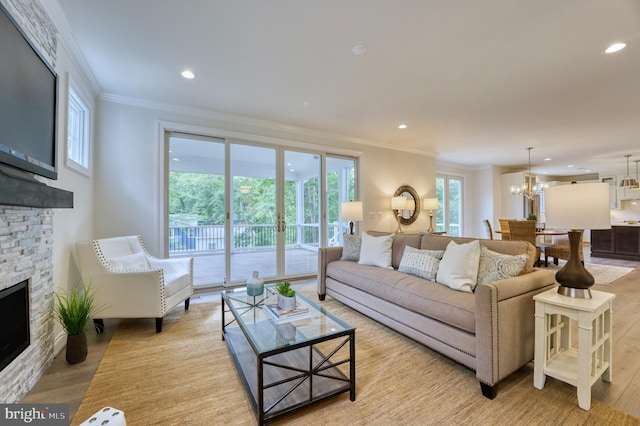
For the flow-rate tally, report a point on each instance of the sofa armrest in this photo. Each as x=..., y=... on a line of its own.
x=326, y=255
x=505, y=333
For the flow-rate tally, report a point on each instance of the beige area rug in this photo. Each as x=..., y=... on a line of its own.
x=185, y=376
x=602, y=274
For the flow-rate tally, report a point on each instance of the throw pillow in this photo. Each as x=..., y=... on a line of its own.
x=130, y=261
x=421, y=263
x=351, y=247
x=376, y=251
x=459, y=266
x=496, y=266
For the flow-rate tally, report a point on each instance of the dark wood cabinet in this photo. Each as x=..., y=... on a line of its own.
x=619, y=242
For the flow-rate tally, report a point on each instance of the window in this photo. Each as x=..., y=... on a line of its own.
x=450, y=206
x=78, y=140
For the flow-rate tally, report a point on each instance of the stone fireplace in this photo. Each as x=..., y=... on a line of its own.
x=26, y=254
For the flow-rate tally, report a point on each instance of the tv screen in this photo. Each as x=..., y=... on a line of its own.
x=28, y=104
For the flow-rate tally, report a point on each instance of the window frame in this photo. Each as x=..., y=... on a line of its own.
x=76, y=98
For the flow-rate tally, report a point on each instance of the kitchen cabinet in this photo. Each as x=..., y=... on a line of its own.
x=619, y=242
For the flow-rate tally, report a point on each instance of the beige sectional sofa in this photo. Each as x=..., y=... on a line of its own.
x=490, y=330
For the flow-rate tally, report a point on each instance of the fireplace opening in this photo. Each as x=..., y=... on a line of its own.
x=14, y=322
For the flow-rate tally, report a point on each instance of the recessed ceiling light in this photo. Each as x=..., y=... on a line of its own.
x=570, y=165
x=358, y=49
x=547, y=159
x=188, y=74
x=306, y=103
x=402, y=126
x=615, y=47
x=176, y=159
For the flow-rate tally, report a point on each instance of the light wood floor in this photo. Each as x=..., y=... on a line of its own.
x=67, y=384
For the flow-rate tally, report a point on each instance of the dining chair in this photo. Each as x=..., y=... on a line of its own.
x=560, y=250
x=504, y=229
x=487, y=225
x=525, y=230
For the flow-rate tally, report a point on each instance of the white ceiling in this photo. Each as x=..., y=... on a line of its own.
x=475, y=81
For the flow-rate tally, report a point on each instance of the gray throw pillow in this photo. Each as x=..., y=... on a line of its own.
x=351, y=247
x=421, y=263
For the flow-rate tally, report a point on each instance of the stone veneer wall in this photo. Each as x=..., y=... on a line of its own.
x=26, y=240
x=26, y=246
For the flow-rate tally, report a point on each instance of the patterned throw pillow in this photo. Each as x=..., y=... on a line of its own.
x=351, y=247
x=421, y=263
x=496, y=266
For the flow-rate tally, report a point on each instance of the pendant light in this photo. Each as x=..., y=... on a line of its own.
x=628, y=182
x=526, y=190
x=637, y=187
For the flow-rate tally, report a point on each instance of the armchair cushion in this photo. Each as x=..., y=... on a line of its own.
x=136, y=261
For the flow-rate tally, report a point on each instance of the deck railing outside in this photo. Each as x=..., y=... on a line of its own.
x=210, y=238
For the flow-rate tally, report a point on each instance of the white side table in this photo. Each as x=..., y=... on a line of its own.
x=555, y=354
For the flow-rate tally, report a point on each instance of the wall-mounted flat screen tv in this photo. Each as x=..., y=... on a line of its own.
x=28, y=104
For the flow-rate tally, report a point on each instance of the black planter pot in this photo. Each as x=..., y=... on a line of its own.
x=76, y=348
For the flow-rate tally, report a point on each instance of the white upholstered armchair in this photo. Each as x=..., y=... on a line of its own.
x=130, y=283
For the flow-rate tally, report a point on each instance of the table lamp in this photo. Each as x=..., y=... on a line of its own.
x=351, y=211
x=398, y=204
x=576, y=207
x=430, y=204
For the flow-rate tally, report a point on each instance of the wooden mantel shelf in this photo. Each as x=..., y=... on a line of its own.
x=17, y=191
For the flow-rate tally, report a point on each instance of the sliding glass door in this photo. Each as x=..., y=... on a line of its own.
x=238, y=208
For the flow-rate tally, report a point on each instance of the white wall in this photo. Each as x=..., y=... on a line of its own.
x=129, y=166
x=69, y=225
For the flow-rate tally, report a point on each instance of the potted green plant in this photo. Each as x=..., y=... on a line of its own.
x=286, y=296
x=73, y=310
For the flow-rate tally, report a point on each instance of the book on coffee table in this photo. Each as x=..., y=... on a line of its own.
x=280, y=316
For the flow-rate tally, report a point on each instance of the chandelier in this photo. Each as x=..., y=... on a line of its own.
x=526, y=189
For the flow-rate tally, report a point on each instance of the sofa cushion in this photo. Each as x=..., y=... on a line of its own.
x=439, y=242
x=421, y=263
x=351, y=247
x=425, y=297
x=496, y=266
x=459, y=266
x=400, y=241
x=376, y=251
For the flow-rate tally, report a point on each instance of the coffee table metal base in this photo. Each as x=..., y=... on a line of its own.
x=293, y=377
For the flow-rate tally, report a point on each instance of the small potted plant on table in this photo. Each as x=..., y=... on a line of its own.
x=286, y=296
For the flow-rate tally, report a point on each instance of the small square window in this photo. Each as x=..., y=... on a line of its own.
x=78, y=140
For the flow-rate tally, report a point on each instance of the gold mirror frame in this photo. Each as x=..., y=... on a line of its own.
x=408, y=217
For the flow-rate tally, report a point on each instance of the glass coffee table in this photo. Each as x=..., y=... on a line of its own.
x=284, y=367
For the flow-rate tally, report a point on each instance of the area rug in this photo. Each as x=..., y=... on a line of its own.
x=185, y=376
x=602, y=274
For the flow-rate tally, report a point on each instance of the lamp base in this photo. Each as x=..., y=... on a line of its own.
x=430, y=230
x=578, y=293
x=573, y=278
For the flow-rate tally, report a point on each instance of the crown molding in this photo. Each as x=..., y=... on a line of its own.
x=65, y=36
x=253, y=122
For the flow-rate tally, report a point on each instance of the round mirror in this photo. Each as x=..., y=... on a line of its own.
x=409, y=214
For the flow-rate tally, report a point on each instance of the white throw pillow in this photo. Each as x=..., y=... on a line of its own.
x=421, y=263
x=130, y=261
x=376, y=251
x=496, y=266
x=459, y=266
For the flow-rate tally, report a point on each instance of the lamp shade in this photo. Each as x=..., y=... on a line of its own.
x=351, y=211
x=398, y=203
x=577, y=206
x=430, y=204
